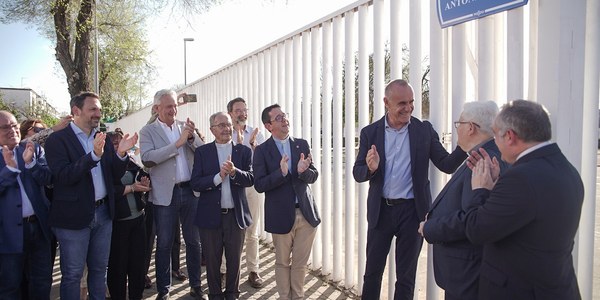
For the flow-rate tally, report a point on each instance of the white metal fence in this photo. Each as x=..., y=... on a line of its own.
x=546, y=51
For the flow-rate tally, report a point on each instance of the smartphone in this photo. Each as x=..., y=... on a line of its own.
x=190, y=98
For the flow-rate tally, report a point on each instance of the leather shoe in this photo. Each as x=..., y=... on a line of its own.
x=255, y=280
x=147, y=282
x=196, y=293
x=162, y=296
x=179, y=275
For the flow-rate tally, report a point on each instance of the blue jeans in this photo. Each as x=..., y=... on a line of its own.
x=35, y=261
x=183, y=207
x=90, y=245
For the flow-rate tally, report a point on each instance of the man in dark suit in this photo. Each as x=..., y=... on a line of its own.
x=25, y=234
x=283, y=170
x=394, y=155
x=527, y=217
x=456, y=261
x=222, y=172
x=85, y=168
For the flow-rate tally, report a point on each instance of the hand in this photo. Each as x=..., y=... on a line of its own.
x=28, y=153
x=303, y=164
x=253, y=135
x=99, y=141
x=186, y=132
x=494, y=164
x=482, y=178
x=9, y=157
x=227, y=168
x=283, y=164
x=126, y=143
x=422, y=226
x=140, y=187
x=240, y=135
x=64, y=121
x=372, y=159
x=145, y=180
x=189, y=124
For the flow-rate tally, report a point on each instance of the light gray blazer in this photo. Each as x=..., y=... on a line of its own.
x=158, y=155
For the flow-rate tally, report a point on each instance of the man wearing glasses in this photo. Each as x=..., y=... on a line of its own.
x=222, y=172
x=444, y=227
x=251, y=137
x=283, y=169
x=394, y=155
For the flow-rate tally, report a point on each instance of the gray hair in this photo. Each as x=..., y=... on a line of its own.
x=161, y=93
x=529, y=120
x=482, y=113
x=396, y=82
x=214, y=116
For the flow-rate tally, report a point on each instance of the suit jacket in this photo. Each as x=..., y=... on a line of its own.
x=206, y=166
x=159, y=155
x=281, y=191
x=527, y=224
x=456, y=261
x=424, y=146
x=11, y=203
x=73, y=194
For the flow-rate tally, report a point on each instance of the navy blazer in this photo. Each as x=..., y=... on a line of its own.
x=424, y=146
x=527, y=224
x=73, y=194
x=456, y=262
x=281, y=191
x=11, y=207
x=206, y=166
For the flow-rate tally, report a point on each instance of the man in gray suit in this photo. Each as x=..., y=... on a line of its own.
x=167, y=147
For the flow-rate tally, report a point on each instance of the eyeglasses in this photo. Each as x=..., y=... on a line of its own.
x=36, y=129
x=279, y=118
x=457, y=123
x=9, y=127
x=240, y=111
x=222, y=125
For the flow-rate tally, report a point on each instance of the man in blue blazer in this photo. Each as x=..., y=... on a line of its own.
x=456, y=261
x=24, y=233
x=222, y=172
x=283, y=170
x=527, y=217
x=85, y=169
x=394, y=155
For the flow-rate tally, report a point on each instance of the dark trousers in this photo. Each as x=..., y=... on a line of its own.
x=228, y=237
x=126, y=261
x=402, y=222
x=34, y=262
x=151, y=236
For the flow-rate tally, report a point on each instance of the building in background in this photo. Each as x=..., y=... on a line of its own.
x=25, y=102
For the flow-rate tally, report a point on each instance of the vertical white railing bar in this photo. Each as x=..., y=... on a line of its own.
x=281, y=84
x=349, y=135
x=305, y=86
x=363, y=120
x=289, y=76
x=378, y=60
x=338, y=160
x=515, y=69
x=326, y=226
x=485, y=58
x=415, y=59
x=315, y=143
x=297, y=59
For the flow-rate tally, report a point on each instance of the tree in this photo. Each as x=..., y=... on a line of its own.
x=71, y=24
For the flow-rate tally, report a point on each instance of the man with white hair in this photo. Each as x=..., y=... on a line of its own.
x=443, y=227
x=167, y=147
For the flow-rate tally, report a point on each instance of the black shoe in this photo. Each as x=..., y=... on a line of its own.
x=196, y=293
x=255, y=280
x=162, y=296
x=179, y=275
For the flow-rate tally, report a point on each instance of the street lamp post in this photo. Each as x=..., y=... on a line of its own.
x=184, y=59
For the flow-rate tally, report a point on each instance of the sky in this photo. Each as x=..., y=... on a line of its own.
x=222, y=35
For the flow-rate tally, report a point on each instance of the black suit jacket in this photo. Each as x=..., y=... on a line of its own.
x=456, y=261
x=206, y=166
x=527, y=224
x=73, y=194
x=281, y=191
x=424, y=146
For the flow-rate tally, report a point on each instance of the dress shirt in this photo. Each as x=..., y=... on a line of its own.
x=87, y=142
x=26, y=206
x=224, y=150
x=398, y=178
x=173, y=133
